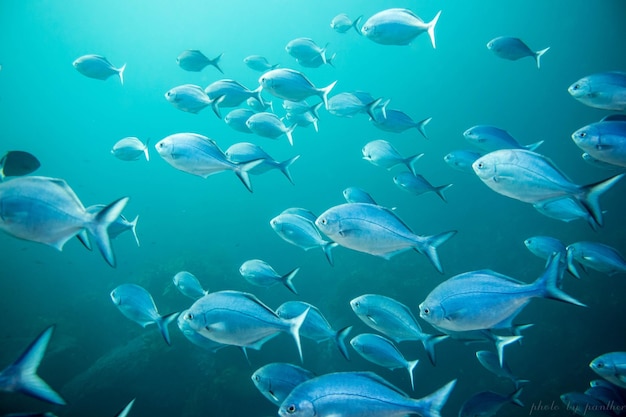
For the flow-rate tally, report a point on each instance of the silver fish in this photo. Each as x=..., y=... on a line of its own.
x=566, y=209
x=244, y=152
x=603, y=141
x=230, y=93
x=292, y=85
x=350, y=104
x=398, y=27
x=612, y=367
x=417, y=184
x=188, y=285
x=378, y=231
x=491, y=138
x=357, y=195
x=258, y=272
x=259, y=63
x=383, y=154
x=604, y=90
x=195, y=337
x=462, y=159
x=196, y=61
x=46, y=210
x=98, y=67
x=276, y=380
x=305, y=49
x=510, y=48
x=396, y=121
x=130, y=149
x=594, y=255
x=237, y=119
x=191, y=98
x=342, y=23
x=270, y=126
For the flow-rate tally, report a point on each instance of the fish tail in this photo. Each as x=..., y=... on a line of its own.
x=330, y=60
x=502, y=341
x=23, y=372
x=429, y=342
x=372, y=106
x=215, y=105
x=242, y=171
x=429, y=247
x=592, y=193
x=289, y=133
x=120, y=73
x=294, y=328
x=538, y=55
x=327, y=248
x=323, y=54
x=256, y=94
x=571, y=264
x=410, y=366
x=340, y=341
x=355, y=25
x=124, y=411
x=534, y=146
x=284, y=167
x=83, y=236
x=162, y=322
x=546, y=284
x=216, y=62
x=411, y=160
x=146, y=152
x=325, y=91
x=314, y=110
x=286, y=280
x=133, y=225
x=431, y=29
x=421, y=126
x=431, y=405
x=514, y=397
x=439, y=190
x=98, y=228
x=517, y=382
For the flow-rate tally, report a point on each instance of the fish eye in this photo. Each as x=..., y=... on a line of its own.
x=600, y=365
x=480, y=165
x=188, y=316
x=576, y=86
x=257, y=378
x=291, y=409
x=583, y=134
x=323, y=221
x=426, y=310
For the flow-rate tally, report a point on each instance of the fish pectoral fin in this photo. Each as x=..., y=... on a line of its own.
x=372, y=319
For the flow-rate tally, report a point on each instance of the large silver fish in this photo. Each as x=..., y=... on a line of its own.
x=378, y=231
x=398, y=27
x=533, y=178
x=46, y=210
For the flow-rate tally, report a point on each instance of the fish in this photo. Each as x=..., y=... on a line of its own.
x=358, y=394
x=598, y=163
x=357, y=195
x=259, y=63
x=191, y=98
x=195, y=61
x=303, y=119
x=342, y=23
x=544, y=247
x=398, y=27
x=305, y=49
x=383, y=154
x=289, y=84
x=462, y=159
x=486, y=299
x=351, y=104
x=237, y=119
x=595, y=255
x=188, y=285
x=98, y=67
x=491, y=362
x=381, y=351
x=21, y=375
x=397, y=121
x=488, y=403
x=137, y=305
x=417, y=184
x=17, y=164
x=260, y=273
x=510, y=48
x=230, y=93
x=119, y=225
x=395, y=320
x=258, y=107
x=244, y=152
x=276, y=380
x=315, y=326
x=603, y=90
x=46, y=210
x=608, y=395
x=491, y=138
x=297, y=226
x=378, y=231
x=533, y=178
x=130, y=149
x=603, y=141
x=240, y=319
x=566, y=209
x=199, y=155
x=270, y=126
x=317, y=61
x=584, y=405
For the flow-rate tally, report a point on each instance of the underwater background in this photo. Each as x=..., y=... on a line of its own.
x=98, y=360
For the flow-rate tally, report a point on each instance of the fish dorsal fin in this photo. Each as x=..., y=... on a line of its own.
x=63, y=185
x=304, y=213
x=380, y=380
x=488, y=272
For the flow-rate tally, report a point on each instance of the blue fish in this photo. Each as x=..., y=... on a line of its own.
x=487, y=403
x=383, y=154
x=259, y=63
x=544, y=247
x=510, y=48
x=130, y=149
x=195, y=61
x=604, y=141
x=195, y=337
x=21, y=375
x=137, y=305
x=244, y=152
x=584, y=405
x=396, y=121
x=462, y=159
x=276, y=380
x=604, y=90
x=237, y=119
x=398, y=27
x=191, y=98
x=292, y=85
x=594, y=255
x=98, y=67
x=351, y=104
x=188, y=285
x=491, y=362
x=230, y=93
x=258, y=272
x=306, y=49
x=357, y=195
x=270, y=126
x=416, y=184
x=492, y=138
x=119, y=226
x=566, y=209
x=342, y=23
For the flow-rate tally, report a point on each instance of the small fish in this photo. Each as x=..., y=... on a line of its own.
x=491, y=362
x=191, y=98
x=270, y=126
x=237, y=119
x=612, y=367
x=188, y=285
x=417, y=184
x=357, y=195
x=383, y=154
x=276, y=380
x=297, y=226
x=358, y=394
x=462, y=160
x=130, y=149
x=258, y=107
x=119, y=226
x=350, y=104
x=381, y=351
x=594, y=255
x=305, y=49
x=289, y=84
x=258, y=272
x=342, y=23
x=315, y=326
x=545, y=246
x=604, y=90
x=98, y=67
x=584, y=405
x=303, y=119
x=317, y=61
x=397, y=121
x=21, y=375
x=492, y=138
x=513, y=49
x=230, y=93
x=487, y=403
x=566, y=209
x=259, y=63
x=199, y=155
x=196, y=61
x=17, y=164
x=608, y=395
x=244, y=152
x=378, y=231
x=398, y=27
x=136, y=303
x=458, y=305
x=604, y=141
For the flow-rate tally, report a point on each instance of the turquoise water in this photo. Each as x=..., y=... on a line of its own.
x=98, y=360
